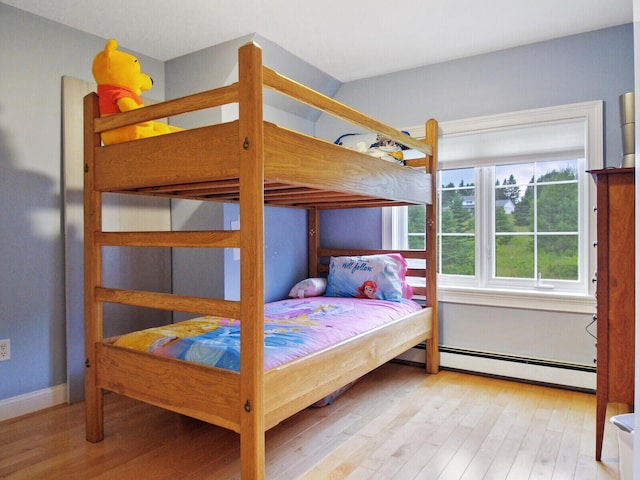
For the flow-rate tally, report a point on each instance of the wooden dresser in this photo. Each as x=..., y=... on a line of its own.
x=615, y=291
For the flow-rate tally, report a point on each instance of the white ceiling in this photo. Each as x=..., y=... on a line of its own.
x=348, y=39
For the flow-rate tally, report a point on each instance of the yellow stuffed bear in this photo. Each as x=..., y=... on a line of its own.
x=120, y=83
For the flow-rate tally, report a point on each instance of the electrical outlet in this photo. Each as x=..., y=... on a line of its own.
x=5, y=350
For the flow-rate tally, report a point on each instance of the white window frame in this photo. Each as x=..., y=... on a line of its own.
x=515, y=293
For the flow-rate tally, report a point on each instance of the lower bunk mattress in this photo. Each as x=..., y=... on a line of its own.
x=292, y=328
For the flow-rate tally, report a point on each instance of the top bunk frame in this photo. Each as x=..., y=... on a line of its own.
x=297, y=169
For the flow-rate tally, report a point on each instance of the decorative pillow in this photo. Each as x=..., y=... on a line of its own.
x=309, y=287
x=369, y=276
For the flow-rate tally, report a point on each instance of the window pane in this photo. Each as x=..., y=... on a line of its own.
x=457, y=201
x=558, y=207
x=536, y=198
x=523, y=214
x=519, y=174
x=514, y=256
x=458, y=255
x=504, y=217
x=555, y=171
x=457, y=221
x=457, y=213
x=416, y=242
x=558, y=257
x=457, y=177
x=416, y=218
x=415, y=226
x=514, y=194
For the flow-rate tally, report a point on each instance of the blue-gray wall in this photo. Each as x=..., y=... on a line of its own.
x=34, y=55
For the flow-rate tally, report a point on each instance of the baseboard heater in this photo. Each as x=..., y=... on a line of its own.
x=534, y=370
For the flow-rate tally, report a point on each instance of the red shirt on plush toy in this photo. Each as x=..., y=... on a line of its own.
x=110, y=94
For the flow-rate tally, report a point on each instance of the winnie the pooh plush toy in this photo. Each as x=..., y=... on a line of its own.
x=120, y=83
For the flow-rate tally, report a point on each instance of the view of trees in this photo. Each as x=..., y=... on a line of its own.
x=458, y=257
x=537, y=233
x=416, y=226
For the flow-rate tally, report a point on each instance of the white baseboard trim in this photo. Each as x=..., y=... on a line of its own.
x=32, y=402
x=546, y=374
x=522, y=371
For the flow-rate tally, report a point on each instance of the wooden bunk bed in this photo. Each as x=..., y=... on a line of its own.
x=254, y=163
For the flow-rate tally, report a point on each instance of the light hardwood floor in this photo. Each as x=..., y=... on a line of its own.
x=395, y=423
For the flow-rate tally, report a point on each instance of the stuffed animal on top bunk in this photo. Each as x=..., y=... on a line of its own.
x=373, y=144
x=120, y=83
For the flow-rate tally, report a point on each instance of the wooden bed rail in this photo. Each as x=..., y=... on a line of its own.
x=335, y=252
x=190, y=103
x=169, y=301
x=193, y=239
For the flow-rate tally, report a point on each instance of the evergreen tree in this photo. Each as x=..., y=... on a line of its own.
x=558, y=203
x=523, y=214
x=500, y=193
x=504, y=224
x=511, y=192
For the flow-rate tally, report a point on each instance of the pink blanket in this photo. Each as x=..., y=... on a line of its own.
x=293, y=328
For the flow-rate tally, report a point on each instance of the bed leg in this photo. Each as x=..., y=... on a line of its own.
x=94, y=410
x=252, y=456
x=432, y=357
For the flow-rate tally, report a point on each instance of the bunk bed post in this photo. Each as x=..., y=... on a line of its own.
x=433, y=354
x=92, y=274
x=314, y=240
x=251, y=136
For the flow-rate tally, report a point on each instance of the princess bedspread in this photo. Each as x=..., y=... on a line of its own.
x=293, y=328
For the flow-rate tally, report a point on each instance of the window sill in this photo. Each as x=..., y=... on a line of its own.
x=539, y=300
